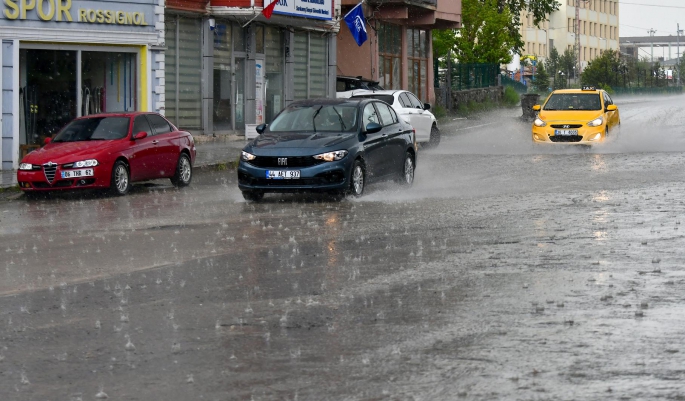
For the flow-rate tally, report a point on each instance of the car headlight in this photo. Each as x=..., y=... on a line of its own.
x=25, y=166
x=86, y=163
x=247, y=156
x=596, y=122
x=331, y=156
x=539, y=123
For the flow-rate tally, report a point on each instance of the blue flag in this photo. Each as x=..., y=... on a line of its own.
x=357, y=23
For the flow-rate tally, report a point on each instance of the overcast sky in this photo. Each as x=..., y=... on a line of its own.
x=636, y=17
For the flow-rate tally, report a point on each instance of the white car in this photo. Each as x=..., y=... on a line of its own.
x=410, y=109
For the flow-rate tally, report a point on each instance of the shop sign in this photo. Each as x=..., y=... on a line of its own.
x=259, y=93
x=87, y=12
x=318, y=9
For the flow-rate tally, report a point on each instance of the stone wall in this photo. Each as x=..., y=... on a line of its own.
x=480, y=95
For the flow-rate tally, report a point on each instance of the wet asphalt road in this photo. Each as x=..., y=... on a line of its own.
x=507, y=272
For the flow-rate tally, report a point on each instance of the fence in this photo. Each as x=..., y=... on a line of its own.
x=518, y=86
x=463, y=77
x=666, y=90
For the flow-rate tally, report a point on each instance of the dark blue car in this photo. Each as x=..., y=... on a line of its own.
x=328, y=145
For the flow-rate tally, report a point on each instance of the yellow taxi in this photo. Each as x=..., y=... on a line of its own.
x=575, y=116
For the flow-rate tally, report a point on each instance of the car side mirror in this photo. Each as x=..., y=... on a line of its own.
x=612, y=107
x=47, y=140
x=260, y=128
x=372, y=128
x=140, y=135
x=536, y=107
x=426, y=106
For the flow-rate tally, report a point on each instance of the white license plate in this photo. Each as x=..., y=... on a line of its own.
x=282, y=174
x=565, y=132
x=85, y=172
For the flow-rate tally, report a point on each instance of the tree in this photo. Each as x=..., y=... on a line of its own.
x=444, y=41
x=541, y=81
x=483, y=37
x=539, y=9
x=602, y=72
x=552, y=65
x=568, y=63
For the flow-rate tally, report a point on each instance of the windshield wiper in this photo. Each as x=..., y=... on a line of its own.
x=344, y=127
x=314, y=117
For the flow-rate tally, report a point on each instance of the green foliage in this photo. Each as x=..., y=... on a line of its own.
x=541, y=82
x=439, y=111
x=444, y=41
x=483, y=37
x=602, y=71
x=510, y=98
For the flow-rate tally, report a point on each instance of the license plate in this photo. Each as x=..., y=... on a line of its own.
x=565, y=132
x=282, y=174
x=86, y=172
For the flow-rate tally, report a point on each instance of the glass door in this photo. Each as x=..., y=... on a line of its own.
x=239, y=85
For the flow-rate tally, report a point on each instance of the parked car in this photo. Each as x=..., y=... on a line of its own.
x=575, y=116
x=409, y=108
x=347, y=86
x=109, y=151
x=328, y=145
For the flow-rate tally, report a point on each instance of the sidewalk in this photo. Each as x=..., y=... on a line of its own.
x=210, y=151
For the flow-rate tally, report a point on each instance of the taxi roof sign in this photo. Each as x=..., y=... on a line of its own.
x=588, y=88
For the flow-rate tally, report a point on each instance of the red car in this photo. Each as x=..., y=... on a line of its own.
x=109, y=151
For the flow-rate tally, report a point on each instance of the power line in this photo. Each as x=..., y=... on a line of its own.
x=650, y=5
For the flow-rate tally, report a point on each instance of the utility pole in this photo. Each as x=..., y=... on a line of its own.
x=678, y=53
x=651, y=33
x=577, y=44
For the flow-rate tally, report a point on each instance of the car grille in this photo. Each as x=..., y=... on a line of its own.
x=49, y=169
x=566, y=138
x=298, y=161
x=566, y=126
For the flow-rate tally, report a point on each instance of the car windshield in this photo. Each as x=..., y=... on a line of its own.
x=94, y=129
x=316, y=118
x=573, y=101
x=389, y=99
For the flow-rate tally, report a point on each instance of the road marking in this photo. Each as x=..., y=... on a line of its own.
x=475, y=126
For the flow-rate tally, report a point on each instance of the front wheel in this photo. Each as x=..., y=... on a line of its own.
x=184, y=172
x=358, y=179
x=120, y=183
x=407, y=177
x=434, y=140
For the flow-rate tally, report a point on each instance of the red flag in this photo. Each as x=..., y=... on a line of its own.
x=269, y=9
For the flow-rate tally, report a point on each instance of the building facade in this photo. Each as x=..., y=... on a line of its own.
x=229, y=67
x=596, y=28
x=399, y=50
x=66, y=58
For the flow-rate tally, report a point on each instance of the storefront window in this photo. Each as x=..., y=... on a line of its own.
x=47, y=98
x=417, y=51
x=275, y=63
x=390, y=51
x=310, y=76
x=183, y=63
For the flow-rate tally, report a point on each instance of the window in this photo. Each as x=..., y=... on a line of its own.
x=310, y=71
x=183, y=60
x=417, y=57
x=140, y=124
x=404, y=100
x=415, y=103
x=386, y=114
x=158, y=124
x=390, y=56
x=370, y=115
